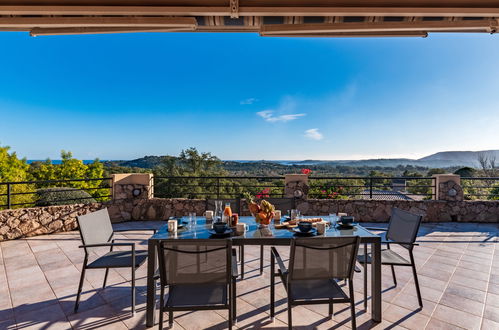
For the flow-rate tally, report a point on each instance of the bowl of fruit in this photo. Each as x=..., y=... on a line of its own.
x=262, y=210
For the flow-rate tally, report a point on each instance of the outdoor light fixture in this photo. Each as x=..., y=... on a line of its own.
x=298, y=193
x=136, y=192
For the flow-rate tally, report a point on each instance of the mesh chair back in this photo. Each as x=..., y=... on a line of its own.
x=403, y=227
x=95, y=228
x=195, y=261
x=235, y=204
x=323, y=258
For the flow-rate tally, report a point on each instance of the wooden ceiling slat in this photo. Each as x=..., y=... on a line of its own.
x=286, y=29
x=250, y=11
x=64, y=22
x=101, y=30
x=420, y=34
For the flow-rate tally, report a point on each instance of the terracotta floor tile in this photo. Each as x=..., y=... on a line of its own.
x=457, y=317
x=492, y=300
x=466, y=292
x=469, y=282
x=471, y=306
x=489, y=324
x=436, y=324
x=491, y=313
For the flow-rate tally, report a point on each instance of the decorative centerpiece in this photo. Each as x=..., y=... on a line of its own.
x=262, y=210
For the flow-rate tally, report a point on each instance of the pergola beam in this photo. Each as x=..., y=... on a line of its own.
x=420, y=34
x=100, y=30
x=250, y=11
x=427, y=26
x=77, y=22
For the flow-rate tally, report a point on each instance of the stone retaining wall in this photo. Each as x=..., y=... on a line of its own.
x=432, y=211
x=17, y=223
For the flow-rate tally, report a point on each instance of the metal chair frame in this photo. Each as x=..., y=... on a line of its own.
x=111, y=243
x=409, y=245
x=285, y=276
x=232, y=275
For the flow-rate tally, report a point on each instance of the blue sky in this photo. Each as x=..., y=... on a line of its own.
x=241, y=96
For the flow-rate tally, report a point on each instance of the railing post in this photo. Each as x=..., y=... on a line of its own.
x=218, y=188
x=371, y=188
x=8, y=196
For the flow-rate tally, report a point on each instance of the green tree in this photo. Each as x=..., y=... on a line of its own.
x=465, y=172
x=69, y=169
x=191, y=164
x=13, y=169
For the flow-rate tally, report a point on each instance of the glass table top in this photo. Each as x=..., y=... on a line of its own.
x=202, y=228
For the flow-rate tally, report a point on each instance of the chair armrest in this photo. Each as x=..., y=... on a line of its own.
x=280, y=263
x=395, y=242
x=235, y=273
x=154, y=230
x=108, y=244
x=376, y=228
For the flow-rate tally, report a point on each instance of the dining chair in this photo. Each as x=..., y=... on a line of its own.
x=96, y=232
x=402, y=230
x=315, y=266
x=200, y=275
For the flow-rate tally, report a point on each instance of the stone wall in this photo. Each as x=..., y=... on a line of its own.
x=432, y=210
x=27, y=222
x=17, y=223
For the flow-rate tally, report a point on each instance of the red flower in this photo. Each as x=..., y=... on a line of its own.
x=306, y=171
x=264, y=193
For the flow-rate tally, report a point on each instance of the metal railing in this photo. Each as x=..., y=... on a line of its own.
x=218, y=187
x=402, y=188
x=407, y=188
x=28, y=193
x=480, y=188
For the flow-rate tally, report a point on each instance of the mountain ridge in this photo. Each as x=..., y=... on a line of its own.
x=439, y=159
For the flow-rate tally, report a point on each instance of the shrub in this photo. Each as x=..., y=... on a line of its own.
x=63, y=196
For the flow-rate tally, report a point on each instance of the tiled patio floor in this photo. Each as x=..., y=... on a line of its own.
x=458, y=266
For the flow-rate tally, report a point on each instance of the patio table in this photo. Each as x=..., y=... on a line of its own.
x=261, y=236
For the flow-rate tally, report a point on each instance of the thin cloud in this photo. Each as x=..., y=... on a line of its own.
x=251, y=100
x=314, y=134
x=268, y=115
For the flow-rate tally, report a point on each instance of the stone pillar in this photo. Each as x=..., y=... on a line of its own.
x=296, y=186
x=132, y=186
x=447, y=187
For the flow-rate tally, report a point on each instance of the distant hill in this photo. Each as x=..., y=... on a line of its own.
x=469, y=158
x=440, y=159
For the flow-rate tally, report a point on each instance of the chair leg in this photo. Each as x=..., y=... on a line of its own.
x=161, y=307
x=133, y=290
x=234, y=302
x=261, y=259
x=80, y=287
x=393, y=275
x=330, y=308
x=416, y=281
x=241, y=257
x=231, y=306
x=364, y=264
x=272, y=286
x=170, y=319
x=352, y=304
x=105, y=278
x=290, y=319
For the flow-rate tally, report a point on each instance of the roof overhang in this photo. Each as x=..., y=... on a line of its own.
x=312, y=18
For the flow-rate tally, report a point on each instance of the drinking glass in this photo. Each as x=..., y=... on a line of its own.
x=333, y=218
x=192, y=220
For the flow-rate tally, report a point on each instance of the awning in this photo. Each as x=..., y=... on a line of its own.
x=313, y=18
